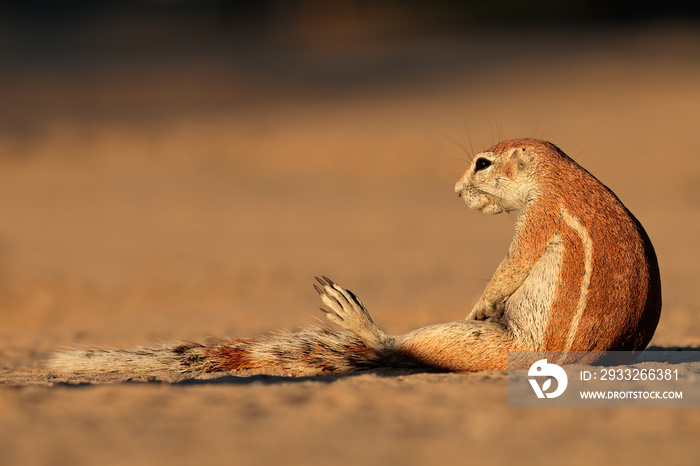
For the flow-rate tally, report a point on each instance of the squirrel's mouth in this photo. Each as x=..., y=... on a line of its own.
x=481, y=201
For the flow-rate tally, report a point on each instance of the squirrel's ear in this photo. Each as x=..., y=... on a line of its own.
x=521, y=158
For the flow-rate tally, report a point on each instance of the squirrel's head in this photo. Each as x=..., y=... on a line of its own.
x=500, y=179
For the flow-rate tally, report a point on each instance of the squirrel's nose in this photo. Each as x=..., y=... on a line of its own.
x=459, y=188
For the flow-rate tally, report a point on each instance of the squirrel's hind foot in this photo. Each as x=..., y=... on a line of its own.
x=346, y=310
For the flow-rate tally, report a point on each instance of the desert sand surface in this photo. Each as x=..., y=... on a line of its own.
x=192, y=200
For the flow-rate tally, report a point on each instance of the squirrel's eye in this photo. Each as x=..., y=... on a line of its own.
x=482, y=163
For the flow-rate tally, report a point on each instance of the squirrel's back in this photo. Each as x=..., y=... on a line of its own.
x=607, y=289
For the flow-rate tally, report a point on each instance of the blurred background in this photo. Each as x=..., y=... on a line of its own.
x=150, y=62
x=166, y=165
x=182, y=169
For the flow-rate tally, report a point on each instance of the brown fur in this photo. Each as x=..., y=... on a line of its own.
x=624, y=304
x=621, y=301
x=230, y=355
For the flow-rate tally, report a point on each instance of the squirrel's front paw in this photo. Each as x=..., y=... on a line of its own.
x=487, y=311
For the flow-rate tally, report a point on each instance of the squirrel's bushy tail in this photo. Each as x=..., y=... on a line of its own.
x=309, y=351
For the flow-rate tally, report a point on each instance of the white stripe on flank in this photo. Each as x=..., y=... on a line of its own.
x=587, y=271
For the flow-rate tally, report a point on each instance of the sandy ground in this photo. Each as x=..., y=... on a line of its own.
x=123, y=231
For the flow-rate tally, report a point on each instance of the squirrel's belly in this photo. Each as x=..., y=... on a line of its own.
x=528, y=310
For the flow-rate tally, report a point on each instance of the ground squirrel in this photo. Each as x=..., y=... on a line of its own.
x=580, y=275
